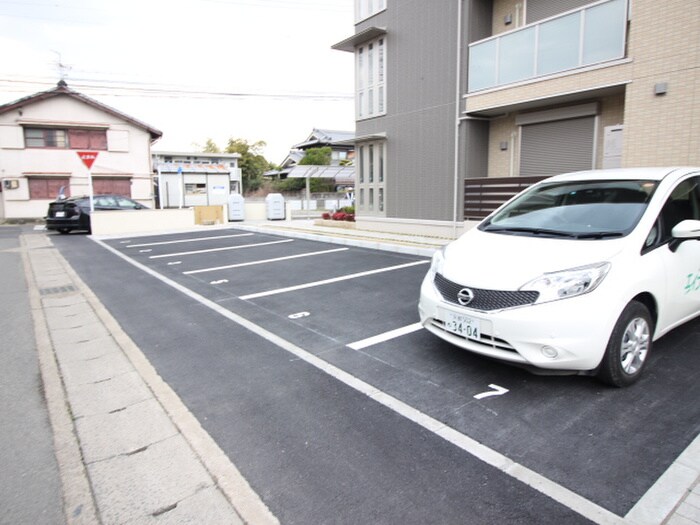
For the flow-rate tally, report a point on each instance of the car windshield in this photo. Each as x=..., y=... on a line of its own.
x=578, y=210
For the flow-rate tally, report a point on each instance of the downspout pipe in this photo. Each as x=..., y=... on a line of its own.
x=458, y=96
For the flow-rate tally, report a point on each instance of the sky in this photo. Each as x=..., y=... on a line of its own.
x=258, y=70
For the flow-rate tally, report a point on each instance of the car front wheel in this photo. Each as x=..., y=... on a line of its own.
x=628, y=347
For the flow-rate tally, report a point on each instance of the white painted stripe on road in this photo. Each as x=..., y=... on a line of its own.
x=225, y=248
x=193, y=239
x=263, y=261
x=329, y=281
x=559, y=493
x=386, y=336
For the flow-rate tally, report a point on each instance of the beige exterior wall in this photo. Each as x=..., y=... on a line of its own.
x=665, y=44
x=503, y=8
x=128, y=153
x=505, y=163
x=584, y=80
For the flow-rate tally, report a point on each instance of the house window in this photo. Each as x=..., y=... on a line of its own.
x=48, y=188
x=95, y=139
x=196, y=188
x=362, y=165
x=371, y=169
x=45, y=138
x=367, y=8
x=370, y=75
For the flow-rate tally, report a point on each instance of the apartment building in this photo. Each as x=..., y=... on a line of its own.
x=453, y=92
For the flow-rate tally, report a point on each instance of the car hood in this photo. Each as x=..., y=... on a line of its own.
x=506, y=262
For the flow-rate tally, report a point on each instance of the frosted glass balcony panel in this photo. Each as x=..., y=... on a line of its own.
x=558, y=48
x=516, y=56
x=482, y=65
x=604, y=33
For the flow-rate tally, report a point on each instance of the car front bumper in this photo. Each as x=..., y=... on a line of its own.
x=569, y=334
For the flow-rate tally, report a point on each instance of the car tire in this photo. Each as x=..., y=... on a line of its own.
x=628, y=348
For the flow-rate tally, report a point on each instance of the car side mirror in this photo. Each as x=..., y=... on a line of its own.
x=683, y=231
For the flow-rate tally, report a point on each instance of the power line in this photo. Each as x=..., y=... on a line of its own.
x=131, y=88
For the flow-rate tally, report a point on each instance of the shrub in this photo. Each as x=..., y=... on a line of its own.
x=326, y=216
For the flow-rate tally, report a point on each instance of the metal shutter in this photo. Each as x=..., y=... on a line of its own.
x=541, y=9
x=550, y=148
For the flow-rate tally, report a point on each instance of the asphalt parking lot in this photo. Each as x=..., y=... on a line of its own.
x=274, y=343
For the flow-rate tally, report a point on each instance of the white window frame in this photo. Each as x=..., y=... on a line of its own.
x=366, y=8
x=371, y=182
x=370, y=78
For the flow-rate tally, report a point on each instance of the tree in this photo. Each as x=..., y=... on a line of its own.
x=317, y=157
x=211, y=147
x=252, y=162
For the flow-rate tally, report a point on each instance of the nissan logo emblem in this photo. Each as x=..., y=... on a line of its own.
x=465, y=296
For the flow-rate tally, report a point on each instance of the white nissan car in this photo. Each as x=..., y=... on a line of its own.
x=578, y=273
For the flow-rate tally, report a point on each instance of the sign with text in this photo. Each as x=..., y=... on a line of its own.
x=88, y=157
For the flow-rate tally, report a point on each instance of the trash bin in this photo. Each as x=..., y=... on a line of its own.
x=236, y=207
x=274, y=206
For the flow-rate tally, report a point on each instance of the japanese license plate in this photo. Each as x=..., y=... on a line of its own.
x=463, y=325
x=60, y=214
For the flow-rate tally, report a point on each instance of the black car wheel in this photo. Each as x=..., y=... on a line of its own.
x=628, y=347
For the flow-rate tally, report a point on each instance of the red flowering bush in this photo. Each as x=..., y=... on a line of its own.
x=326, y=216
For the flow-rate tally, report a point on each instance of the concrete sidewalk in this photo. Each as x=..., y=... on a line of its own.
x=128, y=450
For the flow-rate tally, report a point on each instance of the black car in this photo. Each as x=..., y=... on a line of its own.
x=73, y=213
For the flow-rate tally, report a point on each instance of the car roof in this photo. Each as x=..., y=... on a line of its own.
x=624, y=174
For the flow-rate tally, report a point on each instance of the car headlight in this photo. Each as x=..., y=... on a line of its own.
x=568, y=283
x=438, y=260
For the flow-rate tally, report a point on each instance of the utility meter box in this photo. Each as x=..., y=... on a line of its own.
x=274, y=206
x=236, y=207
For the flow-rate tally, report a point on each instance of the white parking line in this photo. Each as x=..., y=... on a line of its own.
x=225, y=248
x=193, y=239
x=386, y=336
x=329, y=281
x=263, y=261
x=559, y=493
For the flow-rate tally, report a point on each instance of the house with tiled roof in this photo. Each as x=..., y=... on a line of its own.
x=341, y=169
x=40, y=137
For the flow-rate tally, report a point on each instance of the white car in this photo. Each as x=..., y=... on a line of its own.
x=578, y=273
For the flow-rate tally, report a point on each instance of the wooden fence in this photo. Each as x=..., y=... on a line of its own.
x=484, y=195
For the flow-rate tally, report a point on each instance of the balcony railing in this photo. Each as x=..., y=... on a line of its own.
x=589, y=35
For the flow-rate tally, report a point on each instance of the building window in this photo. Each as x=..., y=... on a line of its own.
x=371, y=169
x=48, y=188
x=95, y=139
x=361, y=165
x=367, y=8
x=195, y=188
x=370, y=78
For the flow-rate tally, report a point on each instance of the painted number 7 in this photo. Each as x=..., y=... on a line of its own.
x=497, y=391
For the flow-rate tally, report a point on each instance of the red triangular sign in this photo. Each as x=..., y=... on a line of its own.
x=88, y=157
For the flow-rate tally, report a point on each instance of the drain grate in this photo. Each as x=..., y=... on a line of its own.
x=57, y=289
